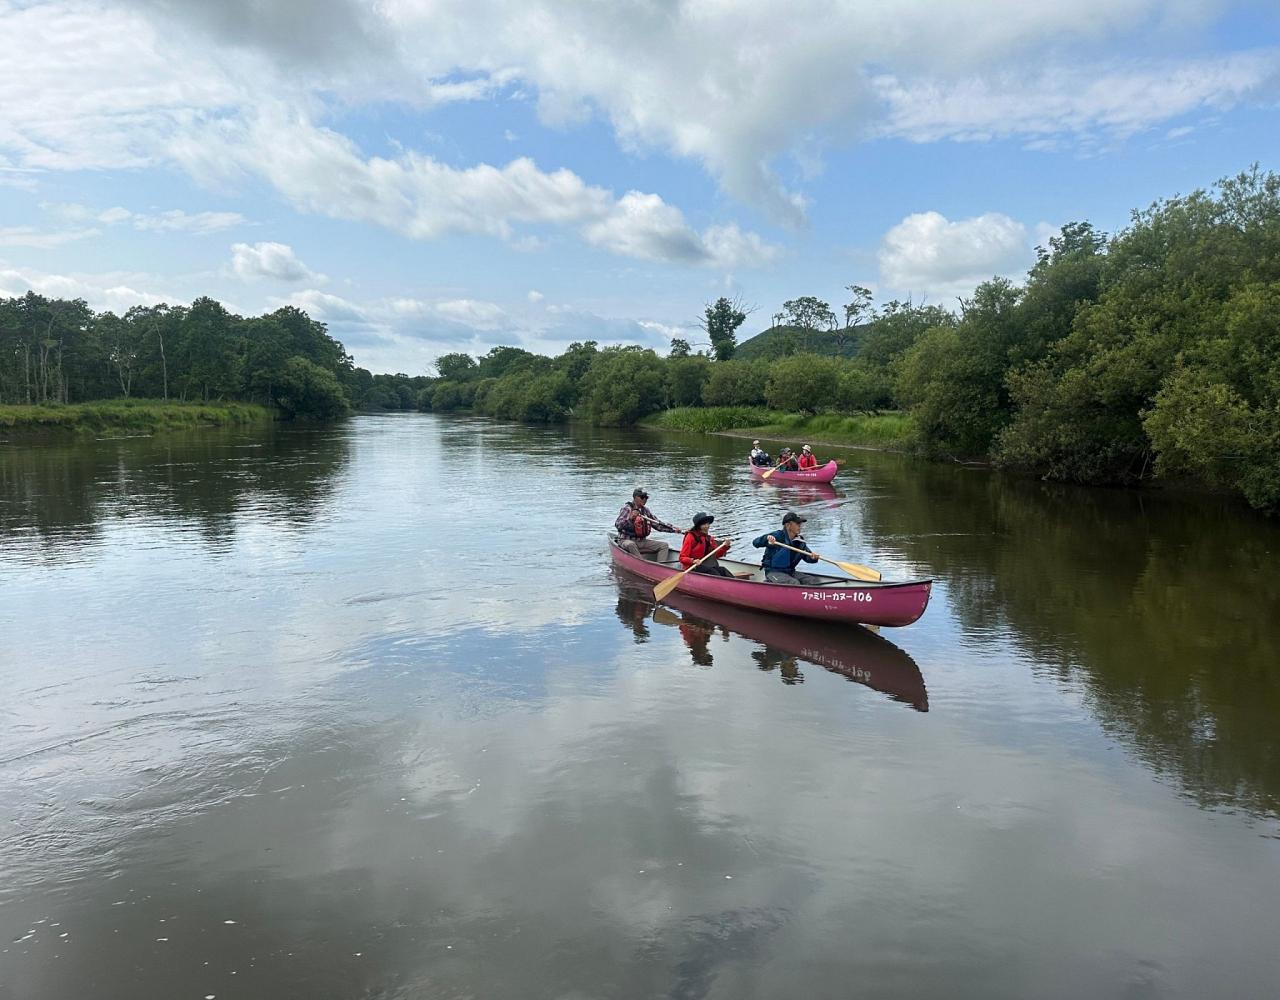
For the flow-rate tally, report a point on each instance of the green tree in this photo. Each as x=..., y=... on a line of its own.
x=805, y=383
x=679, y=348
x=736, y=383
x=624, y=385
x=308, y=391
x=456, y=365
x=688, y=376
x=720, y=323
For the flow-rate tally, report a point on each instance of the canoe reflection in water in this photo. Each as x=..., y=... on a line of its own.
x=855, y=653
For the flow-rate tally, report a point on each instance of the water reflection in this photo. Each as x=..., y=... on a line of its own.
x=854, y=653
x=1165, y=608
x=57, y=497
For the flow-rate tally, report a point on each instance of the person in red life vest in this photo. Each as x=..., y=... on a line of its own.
x=698, y=543
x=634, y=524
x=788, y=461
x=808, y=460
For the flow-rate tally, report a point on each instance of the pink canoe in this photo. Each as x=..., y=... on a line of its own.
x=835, y=599
x=822, y=474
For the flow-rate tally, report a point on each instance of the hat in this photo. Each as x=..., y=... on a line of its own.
x=755, y=442
x=702, y=518
x=791, y=515
x=640, y=491
x=807, y=448
x=785, y=451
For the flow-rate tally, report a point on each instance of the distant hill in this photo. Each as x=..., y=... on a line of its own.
x=778, y=341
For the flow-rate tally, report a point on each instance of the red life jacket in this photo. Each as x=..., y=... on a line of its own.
x=702, y=545
x=640, y=526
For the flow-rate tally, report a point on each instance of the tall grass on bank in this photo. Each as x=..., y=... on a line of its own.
x=130, y=415
x=879, y=430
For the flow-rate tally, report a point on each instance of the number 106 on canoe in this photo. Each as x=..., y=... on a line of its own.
x=836, y=595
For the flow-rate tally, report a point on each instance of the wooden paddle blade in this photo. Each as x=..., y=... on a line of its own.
x=861, y=572
x=768, y=474
x=664, y=587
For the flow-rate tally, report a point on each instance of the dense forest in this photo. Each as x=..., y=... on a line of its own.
x=60, y=351
x=1152, y=352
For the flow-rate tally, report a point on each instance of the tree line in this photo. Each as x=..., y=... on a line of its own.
x=1154, y=351
x=56, y=351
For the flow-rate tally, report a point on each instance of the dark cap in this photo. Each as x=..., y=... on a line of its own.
x=791, y=515
x=702, y=518
x=640, y=491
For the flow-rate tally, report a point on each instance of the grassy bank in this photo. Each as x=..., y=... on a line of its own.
x=880, y=430
x=129, y=416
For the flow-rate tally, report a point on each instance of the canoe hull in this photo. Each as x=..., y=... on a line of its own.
x=822, y=474
x=855, y=603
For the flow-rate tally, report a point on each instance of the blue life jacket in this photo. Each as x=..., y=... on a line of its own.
x=778, y=559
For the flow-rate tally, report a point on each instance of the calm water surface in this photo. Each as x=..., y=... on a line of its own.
x=366, y=713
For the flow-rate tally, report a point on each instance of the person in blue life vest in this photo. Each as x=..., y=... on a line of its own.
x=634, y=524
x=779, y=563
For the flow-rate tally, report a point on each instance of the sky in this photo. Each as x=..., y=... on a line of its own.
x=428, y=176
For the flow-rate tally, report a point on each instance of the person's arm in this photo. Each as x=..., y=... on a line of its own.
x=623, y=523
x=686, y=551
x=762, y=541
x=800, y=543
x=661, y=525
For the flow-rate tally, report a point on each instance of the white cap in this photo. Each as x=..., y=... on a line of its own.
x=807, y=448
x=755, y=442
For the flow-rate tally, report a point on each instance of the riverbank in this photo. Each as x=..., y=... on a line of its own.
x=879, y=431
x=127, y=415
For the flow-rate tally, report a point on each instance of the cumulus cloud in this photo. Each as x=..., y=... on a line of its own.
x=275, y=261
x=744, y=89
x=928, y=253
x=114, y=291
x=1106, y=102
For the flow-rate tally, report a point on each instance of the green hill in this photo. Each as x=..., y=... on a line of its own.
x=779, y=341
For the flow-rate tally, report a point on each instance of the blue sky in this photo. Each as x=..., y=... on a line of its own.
x=436, y=175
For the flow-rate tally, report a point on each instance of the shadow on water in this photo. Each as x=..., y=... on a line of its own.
x=56, y=497
x=852, y=652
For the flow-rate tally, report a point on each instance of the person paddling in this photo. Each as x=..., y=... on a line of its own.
x=807, y=460
x=758, y=455
x=635, y=522
x=789, y=463
x=698, y=543
x=779, y=563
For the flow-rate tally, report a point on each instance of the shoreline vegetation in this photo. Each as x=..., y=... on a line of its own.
x=1147, y=355
x=133, y=415
x=877, y=431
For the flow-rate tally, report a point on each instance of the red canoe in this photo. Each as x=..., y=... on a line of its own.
x=835, y=599
x=822, y=474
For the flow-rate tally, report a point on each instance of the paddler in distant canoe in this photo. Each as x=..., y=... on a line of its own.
x=634, y=523
x=698, y=543
x=807, y=460
x=780, y=563
x=789, y=463
x=758, y=455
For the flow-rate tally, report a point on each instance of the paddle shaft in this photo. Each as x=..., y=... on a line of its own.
x=853, y=569
x=664, y=587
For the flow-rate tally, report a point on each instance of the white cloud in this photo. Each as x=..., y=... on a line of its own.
x=114, y=291
x=927, y=253
x=36, y=239
x=535, y=296
x=735, y=87
x=275, y=261
x=477, y=315
x=1070, y=100
x=177, y=221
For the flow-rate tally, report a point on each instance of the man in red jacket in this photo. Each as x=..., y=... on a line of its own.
x=808, y=460
x=698, y=543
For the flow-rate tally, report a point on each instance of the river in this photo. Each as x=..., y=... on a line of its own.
x=365, y=712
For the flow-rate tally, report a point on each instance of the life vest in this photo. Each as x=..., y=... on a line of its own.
x=702, y=545
x=640, y=526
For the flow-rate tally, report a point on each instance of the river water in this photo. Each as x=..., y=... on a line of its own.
x=365, y=712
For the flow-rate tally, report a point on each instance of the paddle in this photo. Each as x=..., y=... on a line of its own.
x=775, y=468
x=661, y=590
x=853, y=569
